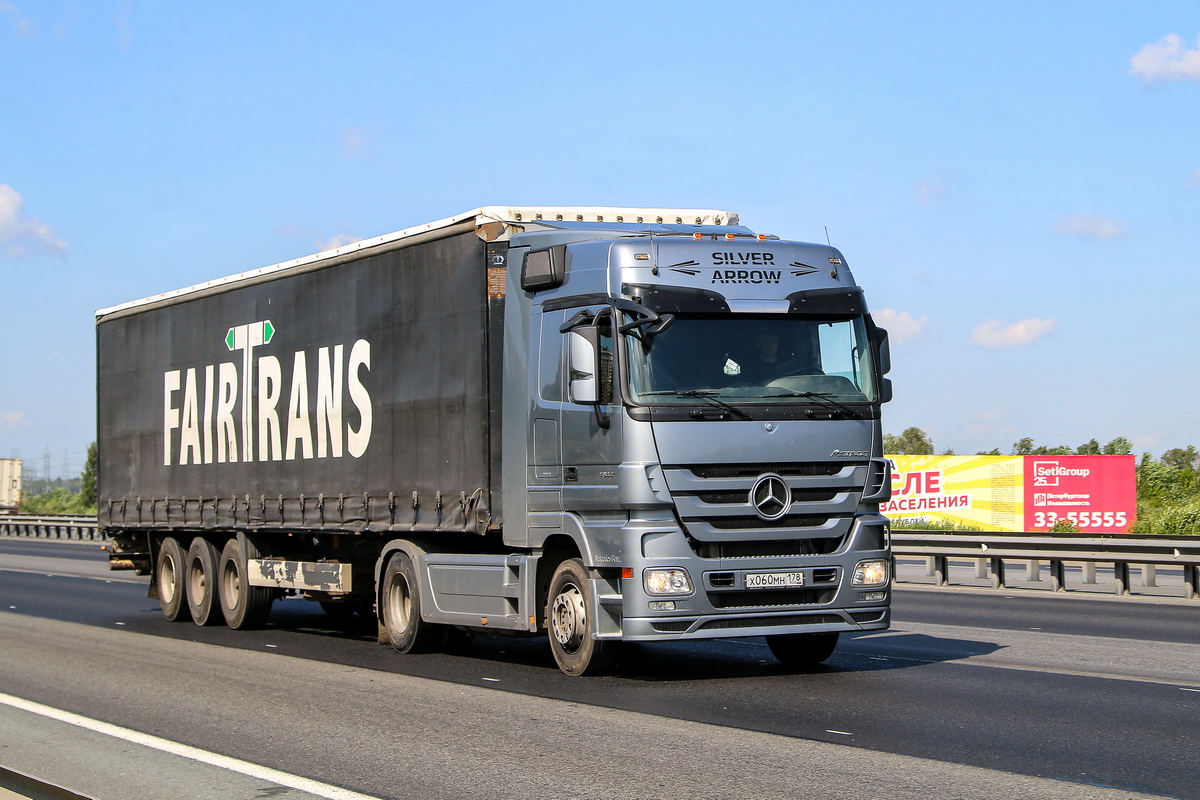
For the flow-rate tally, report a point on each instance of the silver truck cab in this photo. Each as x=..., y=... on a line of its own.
x=697, y=409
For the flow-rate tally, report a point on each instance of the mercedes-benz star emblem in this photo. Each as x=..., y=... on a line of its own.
x=770, y=497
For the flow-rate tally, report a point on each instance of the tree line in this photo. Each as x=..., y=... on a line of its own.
x=1168, y=487
x=59, y=499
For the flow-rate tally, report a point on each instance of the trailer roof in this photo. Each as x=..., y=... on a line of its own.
x=492, y=223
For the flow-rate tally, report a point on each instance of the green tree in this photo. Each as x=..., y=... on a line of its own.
x=56, y=501
x=1061, y=450
x=911, y=442
x=91, y=468
x=1119, y=446
x=1181, y=458
x=995, y=451
x=1092, y=448
x=1023, y=448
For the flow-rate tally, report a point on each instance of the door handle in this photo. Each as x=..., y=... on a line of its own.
x=571, y=473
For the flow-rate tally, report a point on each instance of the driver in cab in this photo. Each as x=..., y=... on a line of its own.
x=769, y=361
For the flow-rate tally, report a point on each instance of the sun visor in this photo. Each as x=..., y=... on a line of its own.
x=828, y=302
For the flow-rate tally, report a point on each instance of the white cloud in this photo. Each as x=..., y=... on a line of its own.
x=1091, y=226
x=341, y=240
x=1167, y=60
x=995, y=334
x=24, y=24
x=15, y=419
x=21, y=234
x=1194, y=180
x=901, y=326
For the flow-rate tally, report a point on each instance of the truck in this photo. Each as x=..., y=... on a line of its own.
x=10, y=485
x=600, y=425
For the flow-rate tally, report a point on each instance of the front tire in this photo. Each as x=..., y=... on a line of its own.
x=571, y=625
x=802, y=650
x=243, y=606
x=170, y=569
x=400, y=608
x=202, y=582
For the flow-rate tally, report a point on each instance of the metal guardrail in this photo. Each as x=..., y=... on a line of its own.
x=990, y=551
x=66, y=526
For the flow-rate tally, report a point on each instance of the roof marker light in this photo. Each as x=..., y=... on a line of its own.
x=697, y=235
x=762, y=237
x=729, y=237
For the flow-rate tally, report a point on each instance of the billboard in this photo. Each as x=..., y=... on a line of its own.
x=1097, y=494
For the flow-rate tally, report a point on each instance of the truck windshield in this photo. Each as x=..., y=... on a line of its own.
x=752, y=359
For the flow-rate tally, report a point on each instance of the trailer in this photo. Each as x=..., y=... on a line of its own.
x=10, y=485
x=601, y=424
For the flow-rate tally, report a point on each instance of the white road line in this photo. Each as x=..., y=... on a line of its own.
x=185, y=751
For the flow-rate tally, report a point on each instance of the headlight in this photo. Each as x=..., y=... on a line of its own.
x=667, y=581
x=870, y=573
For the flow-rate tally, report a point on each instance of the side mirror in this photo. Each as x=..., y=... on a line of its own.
x=885, y=351
x=585, y=365
x=885, y=391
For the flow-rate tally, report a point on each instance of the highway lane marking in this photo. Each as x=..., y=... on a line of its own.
x=106, y=578
x=185, y=751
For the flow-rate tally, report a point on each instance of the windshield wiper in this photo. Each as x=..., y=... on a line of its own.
x=823, y=397
x=707, y=396
x=704, y=394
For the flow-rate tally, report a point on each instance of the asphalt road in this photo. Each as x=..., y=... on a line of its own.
x=972, y=694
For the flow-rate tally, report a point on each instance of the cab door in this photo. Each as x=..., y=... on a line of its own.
x=591, y=434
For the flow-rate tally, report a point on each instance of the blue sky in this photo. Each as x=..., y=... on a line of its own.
x=1016, y=184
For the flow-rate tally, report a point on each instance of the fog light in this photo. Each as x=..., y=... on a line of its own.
x=870, y=573
x=867, y=596
x=662, y=605
x=667, y=581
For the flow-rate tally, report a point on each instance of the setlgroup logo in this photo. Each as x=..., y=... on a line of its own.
x=1095, y=494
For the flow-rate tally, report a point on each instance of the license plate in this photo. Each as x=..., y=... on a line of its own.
x=773, y=580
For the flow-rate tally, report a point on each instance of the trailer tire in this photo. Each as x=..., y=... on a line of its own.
x=202, y=582
x=570, y=623
x=243, y=606
x=400, y=609
x=170, y=569
x=802, y=650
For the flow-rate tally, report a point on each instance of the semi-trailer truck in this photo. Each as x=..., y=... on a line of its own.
x=602, y=424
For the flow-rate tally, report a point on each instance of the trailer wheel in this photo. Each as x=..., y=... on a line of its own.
x=169, y=571
x=802, y=650
x=202, y=582
x=243, y=606
x=569, y=620
x=400, y=607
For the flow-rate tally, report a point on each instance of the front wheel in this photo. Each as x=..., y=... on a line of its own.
x=802, y=650
x=400, y=608
x=571, y=625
